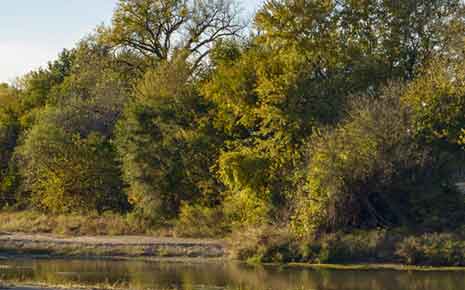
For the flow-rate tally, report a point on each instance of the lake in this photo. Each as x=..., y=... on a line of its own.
x=222, y=275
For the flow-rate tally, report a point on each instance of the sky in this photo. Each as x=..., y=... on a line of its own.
x=33, y=32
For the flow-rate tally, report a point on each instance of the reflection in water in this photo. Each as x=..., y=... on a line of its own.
x=188, y=276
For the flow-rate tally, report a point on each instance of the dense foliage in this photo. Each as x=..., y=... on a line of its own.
x=329, y=115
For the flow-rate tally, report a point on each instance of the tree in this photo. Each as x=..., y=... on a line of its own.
x=159, y=28
x=165, y=145
x=9, y=132
x=304, y=65
x=348, y=36
x=36, y=87
x=99, y=85
x=267, y=104
x=437, y=100
x=370, y=171
x=65, y=172
x=67, y=158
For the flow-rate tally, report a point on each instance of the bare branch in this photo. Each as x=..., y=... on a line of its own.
x=158, y=28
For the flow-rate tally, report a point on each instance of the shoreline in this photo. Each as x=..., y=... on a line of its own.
x=152, y=249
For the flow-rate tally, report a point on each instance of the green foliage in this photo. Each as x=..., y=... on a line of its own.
x=279, y=245
x=437, y=100
x=369, y=171
x=67, y=160
x=168, y=115
x=437, y=249
x=262, y=108
x=37, y=86
x=9, y=131
x=244, y=208
x=358, y=246
x=243, y=170
x=200, y=222
x=244, y=174
x=10, y=196
x=67, y=172
x=165, y=147
x=308, y=61
x=369, y=40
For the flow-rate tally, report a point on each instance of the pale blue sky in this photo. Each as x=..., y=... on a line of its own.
x=32, y=32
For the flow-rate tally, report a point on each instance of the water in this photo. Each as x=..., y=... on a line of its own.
x=217, y=275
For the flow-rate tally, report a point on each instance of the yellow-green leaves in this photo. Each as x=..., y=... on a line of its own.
x=242, y=170
x=67, y=172
x=437, y=100
x=367, y=171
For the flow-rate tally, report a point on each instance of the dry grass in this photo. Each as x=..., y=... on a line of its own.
x=76, y=225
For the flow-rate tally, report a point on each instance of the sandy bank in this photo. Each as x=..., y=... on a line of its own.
x=108, y=246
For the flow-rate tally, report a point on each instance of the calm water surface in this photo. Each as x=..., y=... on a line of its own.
x=216, y=275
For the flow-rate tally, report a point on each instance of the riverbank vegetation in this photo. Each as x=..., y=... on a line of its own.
x=317, y=118
x=75, y=224
x=369, y=247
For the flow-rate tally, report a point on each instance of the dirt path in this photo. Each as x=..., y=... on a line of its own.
x=109, y=246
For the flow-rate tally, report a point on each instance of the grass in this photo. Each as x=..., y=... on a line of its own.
x=378, y=246
x=266, y=244
x=77, y=225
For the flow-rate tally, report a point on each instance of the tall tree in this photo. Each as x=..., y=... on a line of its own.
x=9, y=131
x=437, y=100
x=165, y=145
x=399, y=35
x=68, y=162
x=159, y=28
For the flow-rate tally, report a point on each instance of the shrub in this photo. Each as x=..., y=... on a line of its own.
x=244, y=209
x=66, y=172
x=200, y=222
x=358, y=246
x=370, y=171
x=245, y=174
x=274, y=244
x=266, y=244
x=436, y=249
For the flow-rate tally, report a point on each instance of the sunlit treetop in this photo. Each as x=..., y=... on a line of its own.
x=158, y=29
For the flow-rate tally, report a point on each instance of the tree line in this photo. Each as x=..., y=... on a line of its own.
x=318, y=115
